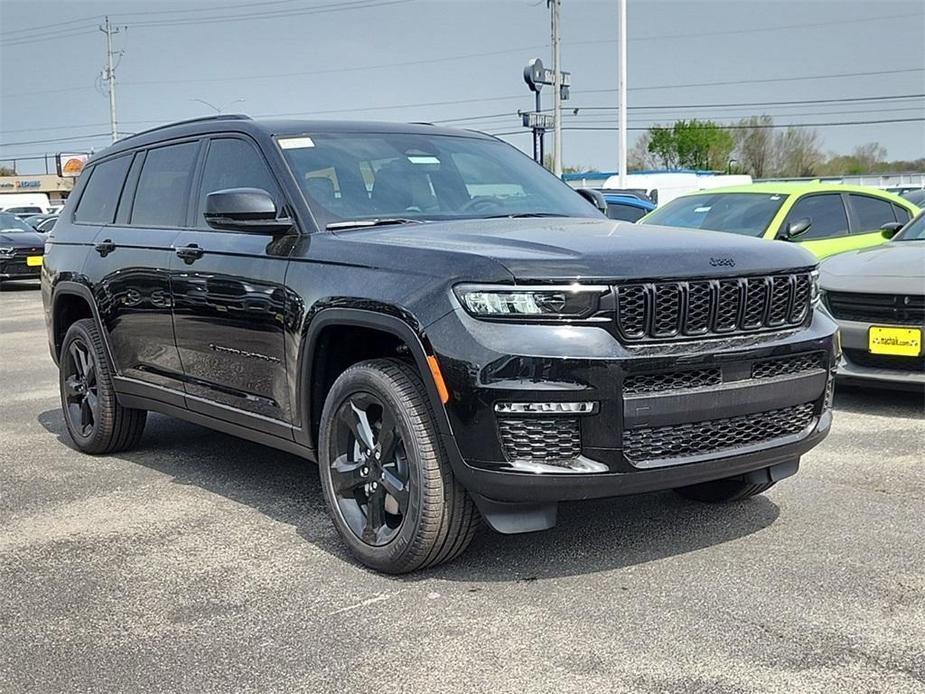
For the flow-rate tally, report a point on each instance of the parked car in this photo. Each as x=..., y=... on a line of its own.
x=41, y=222
x=916, y=197
x=825, y=218
x=628, y=208
x=877, y=295
x=348, y=292
x=21, y=249
x=23, y=211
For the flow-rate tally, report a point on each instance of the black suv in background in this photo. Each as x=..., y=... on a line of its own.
x=447, y=329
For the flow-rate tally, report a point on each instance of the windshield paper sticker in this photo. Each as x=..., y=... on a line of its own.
x=296, y=143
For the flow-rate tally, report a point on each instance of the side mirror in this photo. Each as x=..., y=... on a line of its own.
x=796, y=227
x=889, y=229
x=244, y=209
x=594, y=197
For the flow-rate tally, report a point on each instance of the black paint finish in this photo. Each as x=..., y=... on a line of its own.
x=223, y=327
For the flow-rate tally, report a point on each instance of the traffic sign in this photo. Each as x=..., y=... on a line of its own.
x=541, y=121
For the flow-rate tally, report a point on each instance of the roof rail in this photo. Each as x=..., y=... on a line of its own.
x=201, y=119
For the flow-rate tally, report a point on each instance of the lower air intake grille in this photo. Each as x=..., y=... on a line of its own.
x=675, y=380
x=546, y=439
x=714, y=435
x=769, y=368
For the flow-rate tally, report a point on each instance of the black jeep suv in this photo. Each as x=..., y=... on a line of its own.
x=448, y=330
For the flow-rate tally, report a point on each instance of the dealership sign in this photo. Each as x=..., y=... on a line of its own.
x=70, y=165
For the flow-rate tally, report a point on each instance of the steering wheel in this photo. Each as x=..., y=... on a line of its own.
x=481, y=202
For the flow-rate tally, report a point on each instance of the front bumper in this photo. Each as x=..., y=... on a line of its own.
x=857, y=367
x=15, y=268
x=680, y=422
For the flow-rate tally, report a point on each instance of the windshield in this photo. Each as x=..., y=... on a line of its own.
x=357, y=176
x=12, y=223
x=914, y=230
x=749, y=214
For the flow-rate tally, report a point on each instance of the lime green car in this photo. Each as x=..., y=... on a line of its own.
x=825, y=218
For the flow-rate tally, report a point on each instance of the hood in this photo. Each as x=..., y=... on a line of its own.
x=22, y=239
x=569, y=248
x=897, y=267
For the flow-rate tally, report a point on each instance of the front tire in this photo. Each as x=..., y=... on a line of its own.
x=723, y=491
x=385, y=477
x=95, y=420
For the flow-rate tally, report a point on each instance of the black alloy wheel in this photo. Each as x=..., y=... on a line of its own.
x=95, y=420
x=369, y=472
x=81, y=394
x=386, y=478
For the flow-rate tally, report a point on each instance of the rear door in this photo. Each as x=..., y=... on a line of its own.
x=830, y=231
x=230, y=301
x=868, y=214
x=130, y=261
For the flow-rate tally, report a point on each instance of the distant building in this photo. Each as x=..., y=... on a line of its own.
x=56, y=187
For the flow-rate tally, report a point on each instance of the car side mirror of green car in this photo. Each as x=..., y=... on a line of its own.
x=796, y=227
x=889, y=229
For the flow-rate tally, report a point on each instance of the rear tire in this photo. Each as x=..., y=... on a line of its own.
x=386, y=479
x=95, y=420
x=723, y=491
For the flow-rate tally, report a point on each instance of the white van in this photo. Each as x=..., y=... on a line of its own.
x=24, y=204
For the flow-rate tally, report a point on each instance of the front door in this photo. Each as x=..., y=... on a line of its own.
x=829, y=232
x=230, y=300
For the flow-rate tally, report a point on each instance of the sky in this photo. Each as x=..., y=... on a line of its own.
x=461, y=62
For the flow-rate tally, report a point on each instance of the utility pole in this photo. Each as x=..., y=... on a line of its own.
x=109, y=76
x=554, y=6
x=621, y=97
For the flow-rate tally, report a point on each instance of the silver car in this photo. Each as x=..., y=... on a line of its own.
x=877, y=295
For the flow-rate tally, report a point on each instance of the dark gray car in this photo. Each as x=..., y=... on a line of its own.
x=877, y=295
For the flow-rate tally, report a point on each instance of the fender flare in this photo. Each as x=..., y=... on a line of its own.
x=417, y=344
x=71, y=288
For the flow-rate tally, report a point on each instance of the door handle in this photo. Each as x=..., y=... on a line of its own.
x=104, y=248
x=190, y=253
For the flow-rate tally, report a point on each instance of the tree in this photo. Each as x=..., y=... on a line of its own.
x=7, y=171
x=755, y=145
x=869, y=156
x=692, y=144
x=639, y=157
x=798, y=152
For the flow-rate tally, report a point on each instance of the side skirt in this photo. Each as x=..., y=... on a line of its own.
x=136, y=399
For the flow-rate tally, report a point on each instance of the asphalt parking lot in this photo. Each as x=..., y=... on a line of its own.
x=204, y=563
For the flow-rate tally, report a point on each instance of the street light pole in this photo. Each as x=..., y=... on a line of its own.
x=621, y=97
x=554, y=6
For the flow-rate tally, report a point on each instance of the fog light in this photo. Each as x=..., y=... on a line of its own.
x=546, y=407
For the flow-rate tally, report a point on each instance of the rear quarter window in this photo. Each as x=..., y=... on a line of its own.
x=100, y=198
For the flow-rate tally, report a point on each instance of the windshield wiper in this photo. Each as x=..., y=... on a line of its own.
x=378, y=222
x=523, y=215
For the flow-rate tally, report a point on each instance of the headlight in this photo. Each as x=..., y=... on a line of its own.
x=814, y=291
x=541, y=302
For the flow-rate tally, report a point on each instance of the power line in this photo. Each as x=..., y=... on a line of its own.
x=213, y=19
x=56, y=139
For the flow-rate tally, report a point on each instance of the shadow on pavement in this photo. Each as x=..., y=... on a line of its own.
x=881, y=402
x=19, y=285
x=591, y=536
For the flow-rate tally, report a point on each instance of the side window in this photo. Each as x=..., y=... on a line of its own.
x=163, y=187
x=871, y=213
x=233, y=163
x=827, y=213
x=98, y=203
x=902, y=214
